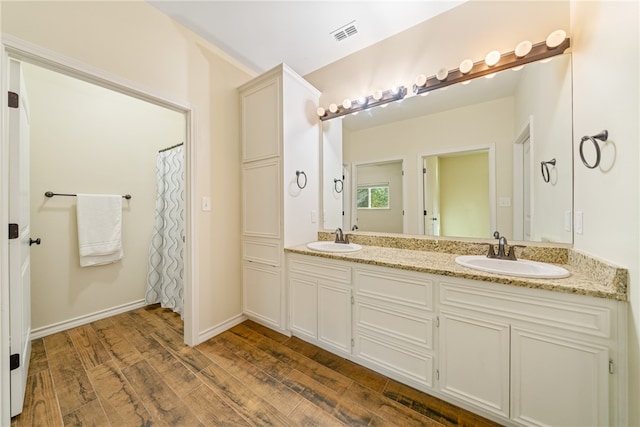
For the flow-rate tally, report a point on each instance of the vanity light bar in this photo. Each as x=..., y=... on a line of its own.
x=370, y=101
x=506, y=61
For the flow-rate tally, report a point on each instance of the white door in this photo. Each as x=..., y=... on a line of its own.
x=526, y=190
x=19, y=260
x=431, y=196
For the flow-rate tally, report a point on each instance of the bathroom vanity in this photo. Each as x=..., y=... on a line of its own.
x=520, y=351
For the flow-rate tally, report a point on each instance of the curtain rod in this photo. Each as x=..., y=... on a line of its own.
x=170, y=148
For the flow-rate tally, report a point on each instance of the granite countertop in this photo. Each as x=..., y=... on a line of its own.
x=588, y=276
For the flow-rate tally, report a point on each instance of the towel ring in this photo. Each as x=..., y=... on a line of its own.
x=602, y=136
x=544, y=168
x=335, y=185
x=298, y=174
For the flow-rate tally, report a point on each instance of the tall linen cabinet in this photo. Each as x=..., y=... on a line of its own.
x=280, y=154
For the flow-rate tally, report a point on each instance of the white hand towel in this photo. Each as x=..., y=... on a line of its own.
x=99, y=228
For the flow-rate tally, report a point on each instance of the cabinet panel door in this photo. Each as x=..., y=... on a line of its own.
x=261, y=199
x=261, y=122
x=556, y=381
x=303, y=306
x=334, y=316
x=474, y=361
x=261, y=292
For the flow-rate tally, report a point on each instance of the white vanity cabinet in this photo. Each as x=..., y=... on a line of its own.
x=320, y=298
x=520, y=356
x=394, y=323
x=534, y=357
x=474, y=360
x=279, y=138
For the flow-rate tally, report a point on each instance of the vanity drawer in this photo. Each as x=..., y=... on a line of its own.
x=394, y=325
x=526, y=305
x=401, y=288
x=325, y=269
x=394, y=360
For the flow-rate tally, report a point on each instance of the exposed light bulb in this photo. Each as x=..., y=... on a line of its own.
x=346, y=103
x=518, y=68
x=421, y=80
x=556, y=38
x=321, y=112
x=442, y=74
x=490, y=76
x=466, y=66
x=394, y=90
x=492, y=58
x=333, y=108
x=377, y=95
x=363, y=100
x=523, y=48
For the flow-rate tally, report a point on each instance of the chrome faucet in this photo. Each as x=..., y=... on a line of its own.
x=340, y=237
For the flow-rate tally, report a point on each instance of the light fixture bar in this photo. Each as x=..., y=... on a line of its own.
x=508, y=60
x=388, y=96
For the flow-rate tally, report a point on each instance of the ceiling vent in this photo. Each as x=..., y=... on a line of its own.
x=345, y=31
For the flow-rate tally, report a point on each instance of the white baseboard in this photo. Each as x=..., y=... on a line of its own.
x=221, y=327
x=83, y=320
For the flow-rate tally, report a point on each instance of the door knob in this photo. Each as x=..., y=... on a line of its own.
x=37, y=241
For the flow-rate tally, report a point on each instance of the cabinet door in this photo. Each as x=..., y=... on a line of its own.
x=556, y=381
x=303, y=306
x=261, y=292
x=334, y=316
x=474, y=361
x=261, y=121
x=261, y=199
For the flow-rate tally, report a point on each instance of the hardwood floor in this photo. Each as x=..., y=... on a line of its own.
x=133, y=370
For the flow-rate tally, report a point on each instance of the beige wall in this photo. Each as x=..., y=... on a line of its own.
x=464, y=192
x=87, y=139
x=134, y=42
x=382, y=220
x=608, y=197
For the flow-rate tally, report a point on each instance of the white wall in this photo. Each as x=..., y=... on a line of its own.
x=606, y=52
x=135, y=43
x=332, y=169
x=87, y=139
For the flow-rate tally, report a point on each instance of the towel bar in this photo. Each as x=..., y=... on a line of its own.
x=51, y=194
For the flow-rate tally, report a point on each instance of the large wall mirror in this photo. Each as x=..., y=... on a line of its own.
x=472, y=158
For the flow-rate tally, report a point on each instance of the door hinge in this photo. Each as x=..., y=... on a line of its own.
x=13, y=100
x=437, y=321
x=402, y=173
x=611, y=370
x=14, y=231
x=353, y=342
x=353, y=300
x=424, y=170
x=14, y=361
x=437, y=374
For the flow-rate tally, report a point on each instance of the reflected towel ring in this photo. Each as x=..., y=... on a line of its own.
x=298, y=173
x=335, y=185
x=544, y=168
x=602, y=136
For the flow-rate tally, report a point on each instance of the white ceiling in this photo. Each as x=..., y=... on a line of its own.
x=263, y=34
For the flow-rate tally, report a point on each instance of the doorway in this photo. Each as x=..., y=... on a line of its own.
x=61, y=205
x=458, y=193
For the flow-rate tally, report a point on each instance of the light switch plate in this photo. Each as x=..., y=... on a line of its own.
x=206, y=203
x=578, y=223
x=505, y=202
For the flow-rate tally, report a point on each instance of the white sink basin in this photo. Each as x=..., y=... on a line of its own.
x=519, y=268
x=334, y=247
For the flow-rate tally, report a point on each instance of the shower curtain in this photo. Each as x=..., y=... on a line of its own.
x=165, y=277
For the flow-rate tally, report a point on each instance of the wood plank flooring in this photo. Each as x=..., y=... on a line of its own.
x=133, y=370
